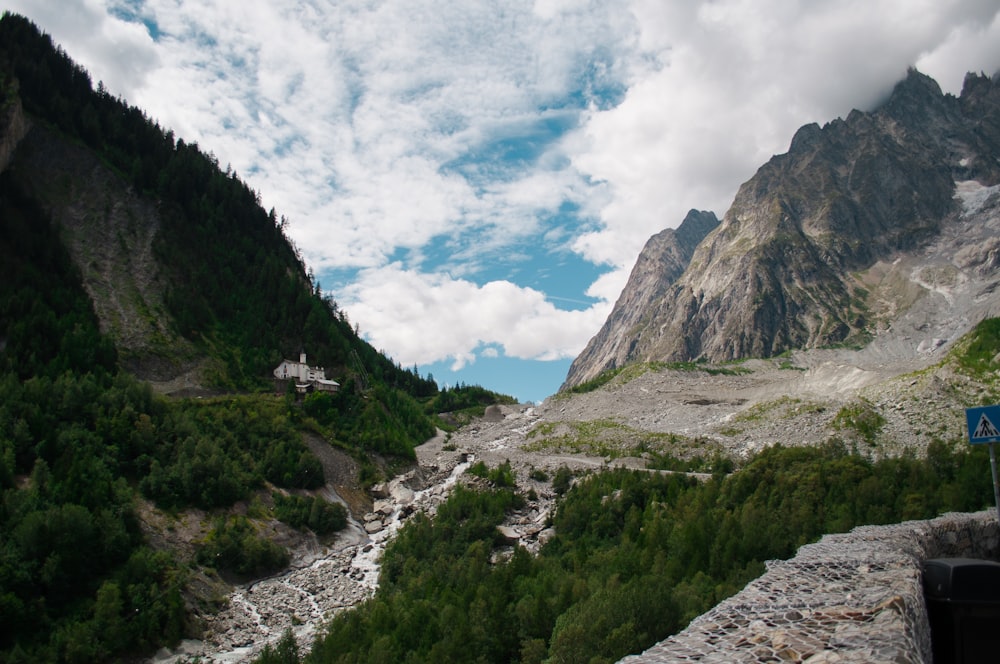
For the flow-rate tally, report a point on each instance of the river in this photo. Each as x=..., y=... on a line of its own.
x=301, y=599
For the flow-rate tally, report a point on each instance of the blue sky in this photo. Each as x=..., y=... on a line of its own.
x=473, y=180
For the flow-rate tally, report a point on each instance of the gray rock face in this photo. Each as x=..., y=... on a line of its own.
x=661, y=262
x=13, y=127
x=781, y=270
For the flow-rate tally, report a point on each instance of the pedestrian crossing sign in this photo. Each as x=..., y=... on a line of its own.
x=984, y=424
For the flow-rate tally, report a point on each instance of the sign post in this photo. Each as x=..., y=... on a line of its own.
x=984, y=427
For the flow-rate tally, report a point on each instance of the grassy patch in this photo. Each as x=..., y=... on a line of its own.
x=785, y=408
x=600, y=380
x=980, y=356
x=714, y=462
x=758, y=411
x=861, y=418
x=613, y=440
x=632, y=371
x=726, y=371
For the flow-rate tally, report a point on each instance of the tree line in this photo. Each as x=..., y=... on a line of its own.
x=636, y=556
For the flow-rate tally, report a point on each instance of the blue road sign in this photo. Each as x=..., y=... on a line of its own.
x=984, y=424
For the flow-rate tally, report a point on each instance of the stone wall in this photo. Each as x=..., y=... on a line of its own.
x=853, y=597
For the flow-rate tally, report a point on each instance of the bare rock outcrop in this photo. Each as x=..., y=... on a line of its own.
x=110, y=231
x=661, y=262
x=13, y=123
x=785, y=268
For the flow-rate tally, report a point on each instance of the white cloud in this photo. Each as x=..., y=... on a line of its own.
x=970, y=46
x=423, y=318
x=120, y=53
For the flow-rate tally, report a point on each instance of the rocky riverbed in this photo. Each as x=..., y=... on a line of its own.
x=323, y=580
x=327, y=579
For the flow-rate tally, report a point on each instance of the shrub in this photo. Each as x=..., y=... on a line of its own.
x=234, y=546
x=862, y=418
x=310, y=512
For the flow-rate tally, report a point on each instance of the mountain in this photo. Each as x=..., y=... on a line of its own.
x=197, y=286
x=135, y=272
x=661, y=262
x=129, y=260
x=798, y=259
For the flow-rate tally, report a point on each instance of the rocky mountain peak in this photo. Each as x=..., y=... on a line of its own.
x=696, y=225
x=789, y=267
x=916, y=94
x=663, y=260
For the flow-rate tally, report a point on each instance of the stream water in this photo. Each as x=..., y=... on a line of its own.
x=340, y=577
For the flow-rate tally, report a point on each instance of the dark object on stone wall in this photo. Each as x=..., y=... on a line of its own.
x=963, y=607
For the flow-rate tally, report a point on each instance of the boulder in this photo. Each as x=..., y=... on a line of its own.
x=509, y=535
x=402, y=494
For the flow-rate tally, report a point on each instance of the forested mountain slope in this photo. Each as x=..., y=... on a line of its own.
x=178, y=256
x=129, y=258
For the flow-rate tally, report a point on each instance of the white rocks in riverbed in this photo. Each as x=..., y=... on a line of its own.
x=510, y=535
x=402, y=494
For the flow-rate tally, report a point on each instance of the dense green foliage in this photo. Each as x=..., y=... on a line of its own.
x=981, y=356
x=76, y=581
x=380, y=420
x=285, y=651
x=466, y=398
x=211, y=453
x=310, y=512
x=637, y=555
x=598, y=381
x=432, y=573
x=71, y=450
x=234, y=546
x=500, y=477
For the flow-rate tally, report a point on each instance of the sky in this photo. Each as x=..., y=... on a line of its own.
x=472, y=181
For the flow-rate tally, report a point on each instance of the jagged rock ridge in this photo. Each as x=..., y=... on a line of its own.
x=783, y=269
x=661, y=262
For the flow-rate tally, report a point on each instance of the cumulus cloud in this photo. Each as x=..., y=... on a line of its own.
x=422, y=318
x=717, y=88
x=118, y=52
x=412, y=143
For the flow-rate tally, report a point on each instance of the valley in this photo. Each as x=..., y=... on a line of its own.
x=730, y=411
x=701, y=417
x=798, y=367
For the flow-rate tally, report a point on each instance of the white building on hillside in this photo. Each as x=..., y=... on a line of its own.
x=306, y=378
